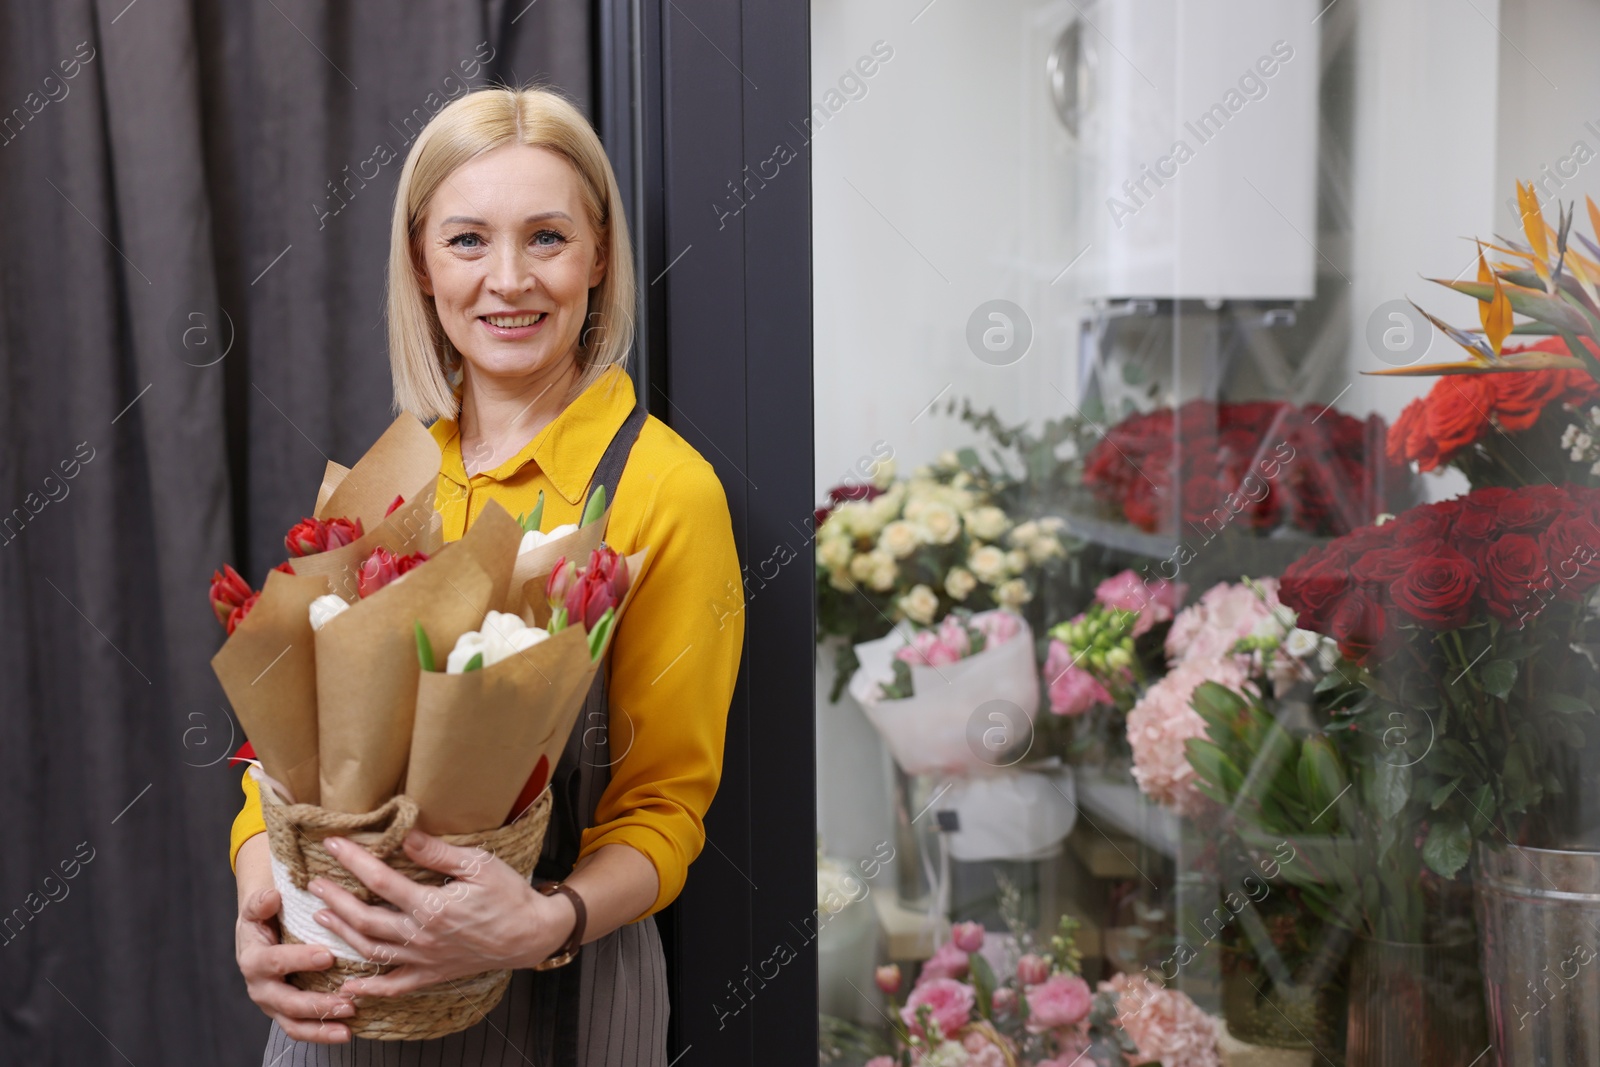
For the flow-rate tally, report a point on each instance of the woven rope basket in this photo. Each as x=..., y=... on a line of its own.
x=295, y=833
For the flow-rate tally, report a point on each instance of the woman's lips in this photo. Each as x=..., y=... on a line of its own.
x=513, y=327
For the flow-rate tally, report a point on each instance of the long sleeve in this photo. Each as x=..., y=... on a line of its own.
x=248, y=822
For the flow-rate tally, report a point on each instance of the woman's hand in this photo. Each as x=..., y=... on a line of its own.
x=264, y=963
x=486, y=918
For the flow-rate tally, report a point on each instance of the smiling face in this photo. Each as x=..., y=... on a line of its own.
x=508, y=253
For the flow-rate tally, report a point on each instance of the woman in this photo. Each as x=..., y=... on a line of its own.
x=511, y=300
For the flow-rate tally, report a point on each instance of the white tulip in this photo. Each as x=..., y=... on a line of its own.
x=503, y=635
x=326, y=607
x=533, y=538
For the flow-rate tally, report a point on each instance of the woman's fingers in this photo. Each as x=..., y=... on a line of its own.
x=404, y=979
x=380, y=951
x=279, y=960
x=370, y=921
x=376, y=875
x=436, y=855
x=315, y=1031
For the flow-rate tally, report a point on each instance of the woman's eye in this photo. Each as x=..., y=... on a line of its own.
x=548, y=239
x=465, y=240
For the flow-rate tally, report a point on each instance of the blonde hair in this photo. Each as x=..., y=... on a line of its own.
x=421, y=358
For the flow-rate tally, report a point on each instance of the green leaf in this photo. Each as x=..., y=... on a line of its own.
x=596, y=506
x=983, y=983
x=424, y=648
x=1217, y=704
x=1567, y=705
x=1442, y=794
x=473, y=664
x=530, y=522
x=1391, y=789
x=1447, y=848
x=1499, y=676
x=1208, y=761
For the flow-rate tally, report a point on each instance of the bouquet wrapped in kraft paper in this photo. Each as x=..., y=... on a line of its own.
x=267, y=666
x=446, y=686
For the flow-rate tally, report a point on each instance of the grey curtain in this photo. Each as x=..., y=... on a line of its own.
x=194, y=206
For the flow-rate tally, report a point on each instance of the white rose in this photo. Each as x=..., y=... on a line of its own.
x=1017, y=560
x=987, y=523
x=868, y=520
x=989, y=564
x=959, y=583
x=920, y=604
x=899, y=539
x=883, y=573
x=947, y=460
x=1044, y=547
x=533, y=538
x=840, y=580
x=941, y=524
x=883, y=474
x=326, y=607
x=861, y=566
x=1024, y=533
x=833, y=553
x=1013, y=594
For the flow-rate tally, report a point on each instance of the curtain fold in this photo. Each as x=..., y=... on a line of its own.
x=195, y=201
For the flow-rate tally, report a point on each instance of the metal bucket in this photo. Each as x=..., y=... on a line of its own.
x=1539, y=932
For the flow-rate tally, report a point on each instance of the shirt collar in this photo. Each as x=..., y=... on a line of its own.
x=567, y=451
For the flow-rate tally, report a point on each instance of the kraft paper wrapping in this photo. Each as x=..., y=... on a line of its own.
x=541, y=561
x=403, y=456
x=366, y=659
x=332, y=475
x=478, y=735
x=413, y=527
x=268, y=670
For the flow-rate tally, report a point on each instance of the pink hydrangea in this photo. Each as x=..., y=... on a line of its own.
x=1164, y=1023
x=1208, y=628
x=1073, y=690
x=997, y=627
x=948, y=1001
x=1154, y=601
x=1062, y=1001
x=948, y=962
x=1162, y=721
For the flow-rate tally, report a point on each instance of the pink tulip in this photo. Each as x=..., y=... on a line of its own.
x=968, y=937
x=1005, y=1000
x=888, y=978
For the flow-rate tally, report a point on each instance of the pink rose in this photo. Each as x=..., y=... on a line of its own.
x=981, y=1052
x=948, y=1001
x=954, y=636
x=888, y=978
x=1032, y=970
x=997, y=627
x=1062, y=1001
x=968, y=937
x=1073, y=690
x=926, y=648
x=948, y=962
x=1154, y=601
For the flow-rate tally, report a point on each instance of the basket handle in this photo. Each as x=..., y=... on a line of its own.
x=397, y=816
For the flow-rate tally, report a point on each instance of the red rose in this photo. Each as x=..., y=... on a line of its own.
x=1458, y=412
x=1474, y=525
x=1437, y=590
x=1512, y=568
x=1529, y=509
x=1358, y=624
x=1398, y=445
x=1313, y=588
x=1383, y=565
x=1571, y=548
x=1424, y=524
x=1520, y=396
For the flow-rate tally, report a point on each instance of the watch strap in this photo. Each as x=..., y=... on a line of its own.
x=563, y=955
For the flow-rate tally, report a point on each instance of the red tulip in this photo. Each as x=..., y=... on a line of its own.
x=396, y=502
x=285, y=567
x=228, y=592
x=561, y=579
x=236, y=616
x=382, y=567
x=310, y=536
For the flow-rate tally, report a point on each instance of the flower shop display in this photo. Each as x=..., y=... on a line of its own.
x=1037, y=1010
x=332, y=670
x=916, y=549
x=1254, y=466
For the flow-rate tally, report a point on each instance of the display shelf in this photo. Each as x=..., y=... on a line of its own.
x=1269, y=554
x=1116, y=804
x=911, y=933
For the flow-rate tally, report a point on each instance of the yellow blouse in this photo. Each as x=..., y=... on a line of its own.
x=675, y=655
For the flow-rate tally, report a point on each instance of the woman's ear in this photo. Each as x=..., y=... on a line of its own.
x=419, y=267
x=598, y=273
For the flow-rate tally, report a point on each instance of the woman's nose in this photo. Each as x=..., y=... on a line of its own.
x=511, y=270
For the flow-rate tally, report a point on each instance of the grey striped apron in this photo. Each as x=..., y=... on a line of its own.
x=608, y=1007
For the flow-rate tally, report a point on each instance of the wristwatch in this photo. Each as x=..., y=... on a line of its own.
x=563, y=956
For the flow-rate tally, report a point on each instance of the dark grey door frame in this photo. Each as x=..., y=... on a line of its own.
x=714, y=98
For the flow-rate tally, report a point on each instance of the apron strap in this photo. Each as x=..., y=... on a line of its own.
x=608, y=472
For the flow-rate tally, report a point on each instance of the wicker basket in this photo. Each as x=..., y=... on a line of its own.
x=295, y=833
